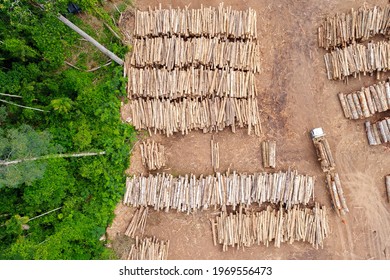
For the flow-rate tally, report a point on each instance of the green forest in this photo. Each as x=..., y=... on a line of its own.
x=60, y=96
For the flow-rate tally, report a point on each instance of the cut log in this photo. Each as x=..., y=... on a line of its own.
x=388, y=187
x=91, y=40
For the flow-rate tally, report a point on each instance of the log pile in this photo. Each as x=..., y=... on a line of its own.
x=137, y=223
x=214, y=154
x=152, y=155
x=366, y=102
x=190, y=193
x=336, y=192
x=324, y=154
x=269, y=153
x=270, y=225
x=178, y=52
x=378, y=132
x=190, y=82
x=357, y=25
x=388, y=187
x=328, y=166
x=148, y=249
x=166, y=116
x=193, y=69
x=206, y=21
x=356, y=59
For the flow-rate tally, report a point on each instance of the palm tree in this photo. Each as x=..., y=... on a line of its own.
x=62, y=105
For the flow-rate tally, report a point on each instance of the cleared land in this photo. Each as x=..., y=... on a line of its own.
x=294, y=97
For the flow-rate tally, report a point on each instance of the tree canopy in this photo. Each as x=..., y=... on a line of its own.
x=80, y=111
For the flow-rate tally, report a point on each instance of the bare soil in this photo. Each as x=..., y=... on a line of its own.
x=295, y=96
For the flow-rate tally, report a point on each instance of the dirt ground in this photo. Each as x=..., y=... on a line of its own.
x=295, y=96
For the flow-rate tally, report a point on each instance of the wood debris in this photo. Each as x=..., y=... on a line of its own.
x=336, y=192
x=206, y=21
x=189, y=193
x=378, y=132
x=357, y=58
x=148, y=249
x=167, y=117
x=137, y=223
x=278, y=226
x=387, y=179
x=355, y=26
x=366, y=102
x=152, y=155
x=269, y=153
x=214, y=154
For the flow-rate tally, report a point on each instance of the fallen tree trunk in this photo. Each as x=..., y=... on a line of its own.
x=110, y=54
x=86, y=154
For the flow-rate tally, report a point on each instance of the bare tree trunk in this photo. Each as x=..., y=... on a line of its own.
x=26, y=107
x=86, y=154
x=44, y=214
x=10, y=95
x=91, y=40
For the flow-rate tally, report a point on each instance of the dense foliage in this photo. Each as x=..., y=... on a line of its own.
x=80, y=113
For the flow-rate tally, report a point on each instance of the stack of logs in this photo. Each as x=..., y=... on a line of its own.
x=336, y=192
x=214, y=154
x=366, y=102
x=190, y=194
x=378, y=132
x=184, y=115
x=328, y=166
x=152, y=155
x=324, y=154
x=148, y=249
x=137, y=223
x=356, y=59
x=178, y=52
x=357, y=25
x=269, y=153
x=193, y=69
x=190, y=82
x=206, y=21
x=296, y=224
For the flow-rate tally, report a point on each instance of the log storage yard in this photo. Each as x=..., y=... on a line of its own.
x=263, y=131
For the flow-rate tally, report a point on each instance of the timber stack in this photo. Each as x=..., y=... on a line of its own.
x=359, y=25
x=328, y=166
x=193, y=69
x=178, y=52
x=214, y=154
x=357, y=58
x=242, y=230
x=268, y=149
x=378, y=132
x=152, y=155
x=324, y=154
x=223, y=22
x=366, y=102
x=148, y=249
x=137, y=223
x=336, y=192
x=187, y=114
x=387, y=179
x=191, y=82
x=190, y=193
